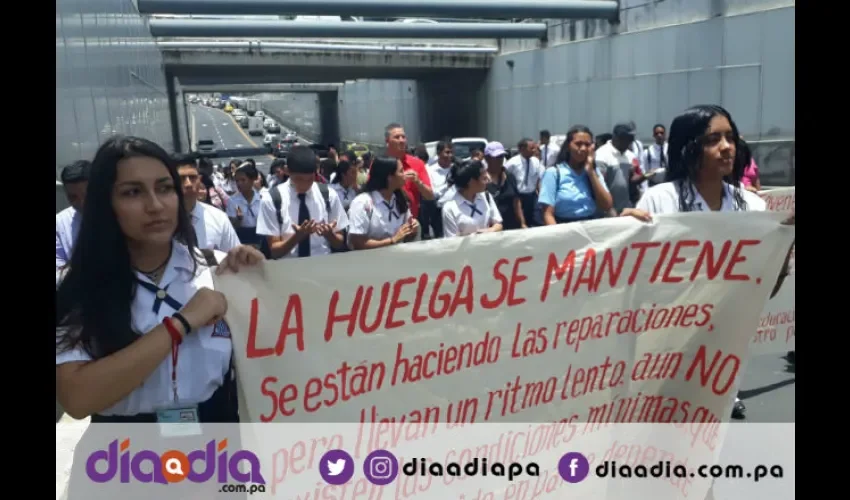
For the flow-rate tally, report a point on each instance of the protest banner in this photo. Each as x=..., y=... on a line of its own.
x=577, y=325
x=776, y=329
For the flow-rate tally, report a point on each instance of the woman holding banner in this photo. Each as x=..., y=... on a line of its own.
x=706, y=162
x=140, y=334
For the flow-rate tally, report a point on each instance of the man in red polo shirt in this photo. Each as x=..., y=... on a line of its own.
x=418, y=185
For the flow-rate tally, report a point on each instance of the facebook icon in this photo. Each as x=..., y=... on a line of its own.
x=573, y=467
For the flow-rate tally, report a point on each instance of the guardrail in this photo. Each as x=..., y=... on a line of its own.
x=311, y=137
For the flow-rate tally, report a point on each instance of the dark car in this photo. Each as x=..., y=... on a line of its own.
x=274, y=129
x=243, y=122
x=280, y=147
x=206, y=146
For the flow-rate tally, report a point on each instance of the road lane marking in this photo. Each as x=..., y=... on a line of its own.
x=250, y=141
x=193, y=133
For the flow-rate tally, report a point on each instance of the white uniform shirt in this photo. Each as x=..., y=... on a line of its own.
x=637, y=148
x=616, y=169
x=212, y=228
x=664, y=199
x=250, y=211
x=268, y=225
x=346, y=195
x=437, y=175
x=67, y=228
x=461, y=218
x=519, y=165
x=651, y=158
x=549, y=154
x=372, y=216
x=229, y=186
x=204, y=356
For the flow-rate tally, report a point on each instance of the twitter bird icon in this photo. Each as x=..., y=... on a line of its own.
x=336, y=467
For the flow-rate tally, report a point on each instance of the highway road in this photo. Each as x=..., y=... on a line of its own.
x=215, y=124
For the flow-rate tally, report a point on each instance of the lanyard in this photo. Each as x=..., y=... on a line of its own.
x=175, y=353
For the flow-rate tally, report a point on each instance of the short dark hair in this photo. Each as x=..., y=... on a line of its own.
x=301, y=160
x=524, y=143
x=182, y=159
x=545, y=133
x=76, y=172
x=277, y=164
x=350, y=154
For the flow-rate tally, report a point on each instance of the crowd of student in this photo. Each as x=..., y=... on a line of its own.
x=140, y=334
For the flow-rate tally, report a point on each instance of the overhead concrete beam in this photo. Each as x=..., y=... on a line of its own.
x=473, y=9
x=241, y=88
x=221, y=28
x=480, y=46
x=232, y=66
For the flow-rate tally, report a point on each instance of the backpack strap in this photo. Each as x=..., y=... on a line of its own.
x=327, y=196
x=278, y=203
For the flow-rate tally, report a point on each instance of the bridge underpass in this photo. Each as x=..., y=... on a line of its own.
x=448, y=80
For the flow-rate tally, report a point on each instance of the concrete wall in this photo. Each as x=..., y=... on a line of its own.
x=668, y=55
x=664, y=56
x=367, y=106
x=105, y=84
x=297, y=111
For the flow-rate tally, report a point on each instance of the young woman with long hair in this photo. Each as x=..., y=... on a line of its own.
x=139, y=330
x=705, y=165
x=472, y=209
x=574, y=190
x=380, y=215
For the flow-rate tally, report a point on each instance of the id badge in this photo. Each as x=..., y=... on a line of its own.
x=175, y=422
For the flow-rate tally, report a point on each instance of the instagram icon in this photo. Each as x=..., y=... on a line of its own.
x=380, y=467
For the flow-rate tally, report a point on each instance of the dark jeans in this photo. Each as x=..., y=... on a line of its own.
x=431, y=219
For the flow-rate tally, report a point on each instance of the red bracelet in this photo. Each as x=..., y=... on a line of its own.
x=176, y=338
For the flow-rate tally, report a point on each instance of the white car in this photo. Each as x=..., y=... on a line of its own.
x=269, y=138
x=462, y=146
x=268, y=122
x=260, y=114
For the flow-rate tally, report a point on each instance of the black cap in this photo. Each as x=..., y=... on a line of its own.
x=624, y=129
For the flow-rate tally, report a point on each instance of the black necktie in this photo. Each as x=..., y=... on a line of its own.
x=303, y=216
x=527, y=172
x=473, y=209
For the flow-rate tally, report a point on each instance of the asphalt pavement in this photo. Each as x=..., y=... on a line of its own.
x=768, y=390
x=215, y=124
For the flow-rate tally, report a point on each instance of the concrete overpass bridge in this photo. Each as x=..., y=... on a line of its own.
x=274, y=88
x=198, y=63
x=448, y=60
x=449, y=74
